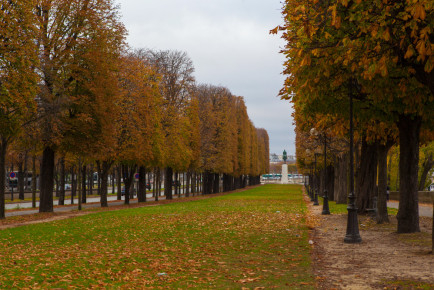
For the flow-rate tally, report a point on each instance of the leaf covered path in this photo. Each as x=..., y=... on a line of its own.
x=254, y=238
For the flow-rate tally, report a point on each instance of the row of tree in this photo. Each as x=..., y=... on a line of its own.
x=72, y=90
x=380, y=54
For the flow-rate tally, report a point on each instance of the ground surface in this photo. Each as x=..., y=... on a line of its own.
x=384, y=259
x=255, y=239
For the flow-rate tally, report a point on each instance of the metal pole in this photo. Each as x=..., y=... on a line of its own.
x=315, y=202
x=325, y=206
x=352, y=235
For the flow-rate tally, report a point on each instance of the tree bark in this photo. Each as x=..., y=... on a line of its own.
x=119, y=182
x=330, y=182
x=382, y=215
x=73, y=184
x=47, y=180
x=128, y=174
x=187, y=184
x=342, y=184
x=176, y=184
x=33, y=181
x=20, y=180
x=3, y=147
x=168, y=179
x=83, y=184
x=216, y=183
x=141, y=195
x=367, y=177
x=62, y=181
x=408, y=212
x=105, y=169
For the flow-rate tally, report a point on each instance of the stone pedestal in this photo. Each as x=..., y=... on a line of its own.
x=284, y=179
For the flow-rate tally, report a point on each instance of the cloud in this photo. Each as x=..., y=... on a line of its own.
x=230, y=45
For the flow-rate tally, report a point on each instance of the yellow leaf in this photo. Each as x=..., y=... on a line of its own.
x=419, y=12
x=386, y=35
x=420, y=46
x=409, y=52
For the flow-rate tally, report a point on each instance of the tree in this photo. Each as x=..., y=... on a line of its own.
x=138, y=128
x=17, y=77
x=363, y=46
x=66, y=30
x=176, y=83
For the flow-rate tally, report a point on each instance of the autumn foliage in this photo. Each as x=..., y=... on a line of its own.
x=382, y=54
x=76, y=98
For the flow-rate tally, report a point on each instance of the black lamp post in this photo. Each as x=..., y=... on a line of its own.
x=315, y=201
x=311, y=183
x=325, y=205
x=352, y=235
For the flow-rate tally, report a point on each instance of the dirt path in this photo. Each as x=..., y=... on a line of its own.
x=384, y=259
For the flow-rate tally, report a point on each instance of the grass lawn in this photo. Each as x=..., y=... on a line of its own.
x=342, y=208
x=254, y=238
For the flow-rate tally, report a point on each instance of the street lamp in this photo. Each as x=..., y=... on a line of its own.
x=325, y=205
x=315, y=201
x=325, y=209
x=311, y=182
x=352, y=236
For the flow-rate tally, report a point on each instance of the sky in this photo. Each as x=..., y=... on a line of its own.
x=229, y=44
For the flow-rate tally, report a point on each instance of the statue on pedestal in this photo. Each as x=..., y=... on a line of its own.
x=284, y=179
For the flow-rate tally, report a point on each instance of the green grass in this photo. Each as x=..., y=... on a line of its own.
x=342, y=208
x=254, y=238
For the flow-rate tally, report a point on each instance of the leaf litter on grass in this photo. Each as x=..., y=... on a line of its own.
x=255, y=238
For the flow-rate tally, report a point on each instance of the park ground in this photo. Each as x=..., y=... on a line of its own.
x=262, y=238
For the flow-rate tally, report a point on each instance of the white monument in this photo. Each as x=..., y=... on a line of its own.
x=284, y=179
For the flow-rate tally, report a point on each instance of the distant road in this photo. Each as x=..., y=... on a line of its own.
x=424, y=209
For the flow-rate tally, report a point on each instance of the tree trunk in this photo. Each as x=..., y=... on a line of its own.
x=99, y=181
x=330, y=182
x=193, y=183
x=113, y=180
x=128, y=174
x=56, y=179
x=80, y=183
x=33, y=181
x=389, y=168
x=408, y=212
x=216, y=183
x=62, y=182
x=90, y=180
x=103, y=175
x=342, y=184
x=73, y=184
x=157, y=183
x=187, y=184
x=141, y=195
x=176, y=184
x=382, y=215
x=168, y=179
x=20, y=180
x=3, y=147
x=428, y=163
x=119, y=182
x=83, y=184
x=367, y=177
x=47, y=178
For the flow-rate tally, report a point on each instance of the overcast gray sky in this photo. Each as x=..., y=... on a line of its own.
x=229, y=44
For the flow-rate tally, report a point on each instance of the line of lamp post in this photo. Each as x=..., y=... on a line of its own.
x=352, y=234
